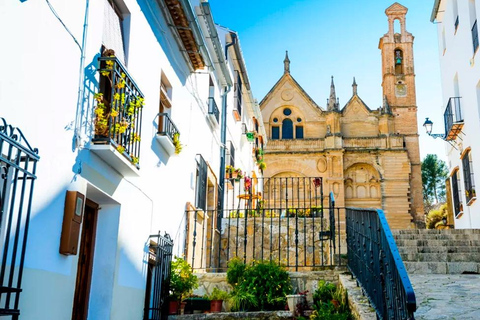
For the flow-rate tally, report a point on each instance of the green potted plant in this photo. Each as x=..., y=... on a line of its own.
x=216, y=299
x=182, y=283
x=176, y=143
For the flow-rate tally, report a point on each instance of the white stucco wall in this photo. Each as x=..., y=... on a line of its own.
x=39, y=83
x=457, y=60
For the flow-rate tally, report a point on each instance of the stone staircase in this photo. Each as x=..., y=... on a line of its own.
x=439, y=251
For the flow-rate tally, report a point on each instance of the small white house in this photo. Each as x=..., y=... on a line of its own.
x=136, y=107
x=460, y=72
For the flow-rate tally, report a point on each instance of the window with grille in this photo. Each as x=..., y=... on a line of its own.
x=457, y=204
x=201, y=185
x=468, y=177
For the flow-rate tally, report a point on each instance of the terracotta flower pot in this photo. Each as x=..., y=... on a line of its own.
x=216, y=306
x=173, y=307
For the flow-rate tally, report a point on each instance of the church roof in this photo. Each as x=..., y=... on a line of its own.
x=299, y=87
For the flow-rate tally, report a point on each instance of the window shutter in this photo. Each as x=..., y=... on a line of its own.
x=112, y=32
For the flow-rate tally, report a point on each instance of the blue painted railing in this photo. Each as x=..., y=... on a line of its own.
x=373, y=258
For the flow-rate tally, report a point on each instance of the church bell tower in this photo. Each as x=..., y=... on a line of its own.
x=398, y=83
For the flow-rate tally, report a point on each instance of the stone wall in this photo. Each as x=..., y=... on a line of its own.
x=289, y=241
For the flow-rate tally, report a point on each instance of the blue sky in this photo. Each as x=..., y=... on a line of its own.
x=338, y=38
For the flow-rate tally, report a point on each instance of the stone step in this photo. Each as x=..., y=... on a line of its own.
x=437, y=243
x=441, y=257
x=442, y=267
x=436, y=231
x=437, y=236
x=466, y=249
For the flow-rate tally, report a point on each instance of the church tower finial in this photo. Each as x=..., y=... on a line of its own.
x=354, y=86
x=332, y=101
x=286, y=63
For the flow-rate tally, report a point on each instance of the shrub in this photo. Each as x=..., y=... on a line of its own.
x=435, y=216
x=182, y=279
x=258, y=286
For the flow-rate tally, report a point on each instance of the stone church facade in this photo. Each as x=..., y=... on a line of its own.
x=367, y=158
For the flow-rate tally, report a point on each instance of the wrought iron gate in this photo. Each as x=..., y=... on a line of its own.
x=18, y=162
x=158, y=277
x=284, y=219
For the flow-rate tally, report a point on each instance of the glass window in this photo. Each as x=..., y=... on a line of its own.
x=468, y=177
x=287, y=111
x=287, y=129
x=275, y=132
x=299, y=132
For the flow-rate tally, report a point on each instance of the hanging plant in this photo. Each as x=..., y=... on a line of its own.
x=250, y=136
x=176, y=143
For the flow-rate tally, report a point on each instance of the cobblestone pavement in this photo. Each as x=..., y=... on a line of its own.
x=447, y=296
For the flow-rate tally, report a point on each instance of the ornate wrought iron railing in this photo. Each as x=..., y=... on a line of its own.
x=166, y=127
x=118, y=109
x=286, y=220
x=213, y=109
x=158, y=277
x=373, y=258
x=18, y=162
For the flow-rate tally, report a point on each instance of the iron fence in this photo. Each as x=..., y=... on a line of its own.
x=373, y=258
x=286, y=219
x=18, y=162
x=158, y=277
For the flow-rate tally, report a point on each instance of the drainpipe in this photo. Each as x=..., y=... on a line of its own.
x=223, y=141
x=223, y=132
x=81, y=86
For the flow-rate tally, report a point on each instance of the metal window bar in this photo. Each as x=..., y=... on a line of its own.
x=232, y=154
x=475, y=37
x=213, y=109
x=456, y=23
x=373, y=258
x=162, y=255
x=18, y=162
x=167, y=127
x=238, y=93
x=467, y=177
x=126, y=100
x=275, y=219
x=201, y=184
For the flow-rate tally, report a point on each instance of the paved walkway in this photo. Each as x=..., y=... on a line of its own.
x=447, y=296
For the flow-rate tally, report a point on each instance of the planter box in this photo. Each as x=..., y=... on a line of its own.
x=196, y=304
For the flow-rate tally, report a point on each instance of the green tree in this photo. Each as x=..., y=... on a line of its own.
x=434, y=173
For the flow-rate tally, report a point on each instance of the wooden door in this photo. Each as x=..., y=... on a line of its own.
x=85, y=262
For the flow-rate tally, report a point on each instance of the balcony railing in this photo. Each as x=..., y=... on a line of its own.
x=453, y=118
x=475, y=37
x=118, y=110
x=213, y=109
x=168, y=134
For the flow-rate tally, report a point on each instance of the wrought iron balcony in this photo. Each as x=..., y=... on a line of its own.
x=213, y=109
x=118, y=116
x=168, y=134
x=453, y=118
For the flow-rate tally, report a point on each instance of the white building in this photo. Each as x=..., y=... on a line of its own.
x=168, y=73
x=460, y=72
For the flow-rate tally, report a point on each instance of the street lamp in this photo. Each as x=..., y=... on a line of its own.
x=428, y=124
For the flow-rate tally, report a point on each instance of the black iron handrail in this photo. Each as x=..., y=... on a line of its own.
x=166, y=127
x=373, y=258
x=213, y=109
x=123, y=107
